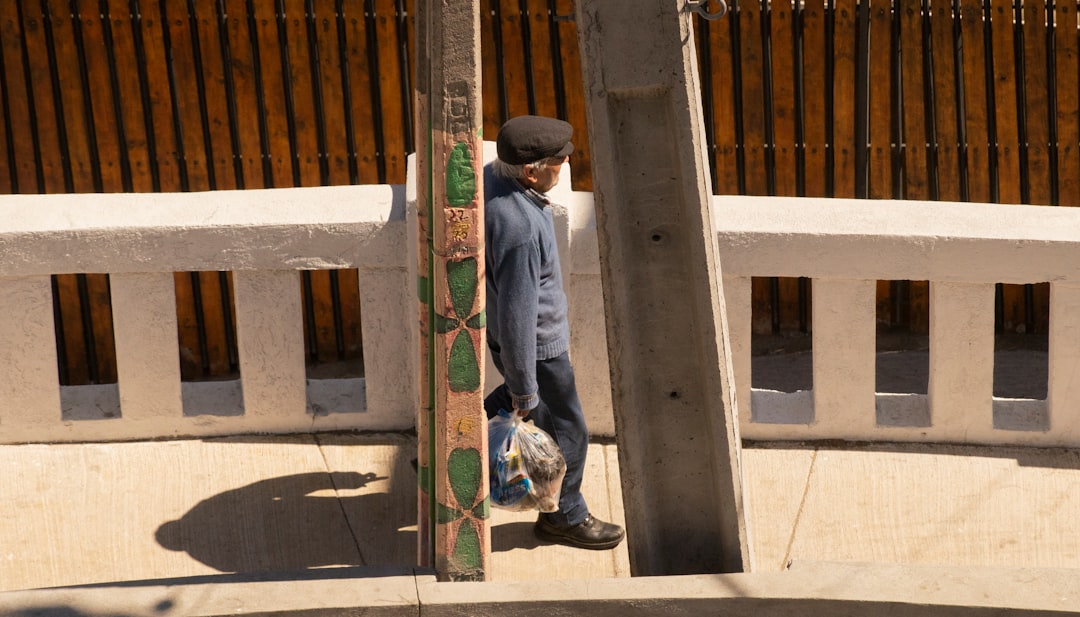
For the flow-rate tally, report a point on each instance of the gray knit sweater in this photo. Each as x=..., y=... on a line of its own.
x=526, y=306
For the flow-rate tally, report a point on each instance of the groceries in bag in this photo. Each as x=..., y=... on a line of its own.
x=526, y=465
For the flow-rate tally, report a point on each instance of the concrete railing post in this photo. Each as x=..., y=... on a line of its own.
x=270, y=344
x=672, y=383
x=29, y=390
x=1063, y=395
x=147, y=349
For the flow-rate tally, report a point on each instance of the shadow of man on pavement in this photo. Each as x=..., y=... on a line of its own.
x=296, y=522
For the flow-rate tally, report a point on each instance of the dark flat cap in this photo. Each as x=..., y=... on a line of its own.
x=527, y=139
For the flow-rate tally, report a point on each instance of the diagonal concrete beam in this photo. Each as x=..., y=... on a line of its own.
x=672, y=385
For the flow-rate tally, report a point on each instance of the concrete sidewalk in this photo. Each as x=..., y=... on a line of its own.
x=94, y=513
x=102, y=513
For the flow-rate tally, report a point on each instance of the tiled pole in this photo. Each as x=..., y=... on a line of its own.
x=672, y=384
x=452, y=430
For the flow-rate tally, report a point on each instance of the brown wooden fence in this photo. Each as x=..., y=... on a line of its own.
x=962, y=100
x=932, y=99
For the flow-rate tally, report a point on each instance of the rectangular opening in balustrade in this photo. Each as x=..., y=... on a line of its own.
x=781, y=345
x=781, y=348
x=85, y=347
x=782, y=364
x=902, y=353
x=333, y=341
x=206, y=328
x=1021, y=359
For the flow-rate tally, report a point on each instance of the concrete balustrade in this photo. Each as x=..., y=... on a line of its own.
x=963, y=250
x=266, y=237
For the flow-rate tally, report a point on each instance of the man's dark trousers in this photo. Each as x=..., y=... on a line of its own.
x=559, y=414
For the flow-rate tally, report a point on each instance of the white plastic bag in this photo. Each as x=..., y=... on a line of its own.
x=526, y=465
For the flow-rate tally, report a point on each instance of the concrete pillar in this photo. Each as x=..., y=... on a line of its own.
x=270, y=343
x=845, y=341
x=672, y=384
x=147, y=348
x=29, y=383
x=1063, y=395
x=961, y=361
x=452, y=429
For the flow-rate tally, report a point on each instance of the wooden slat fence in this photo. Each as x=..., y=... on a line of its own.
x=910, y=99
x=956, y=100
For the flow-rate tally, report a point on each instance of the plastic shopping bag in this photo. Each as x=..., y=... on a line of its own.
x=526, y=465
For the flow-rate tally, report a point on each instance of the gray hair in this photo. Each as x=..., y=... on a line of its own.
x=514, y=172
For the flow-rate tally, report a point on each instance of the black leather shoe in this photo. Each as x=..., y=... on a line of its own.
x=592, y=533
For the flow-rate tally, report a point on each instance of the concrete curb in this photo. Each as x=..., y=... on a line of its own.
x=820, y=589
x=379, y=591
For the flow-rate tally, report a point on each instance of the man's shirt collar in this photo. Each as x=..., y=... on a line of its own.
x=536, y=196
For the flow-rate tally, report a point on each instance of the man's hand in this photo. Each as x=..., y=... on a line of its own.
x=522, y=405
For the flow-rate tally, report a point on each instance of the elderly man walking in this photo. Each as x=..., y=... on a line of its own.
x=528, y=328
